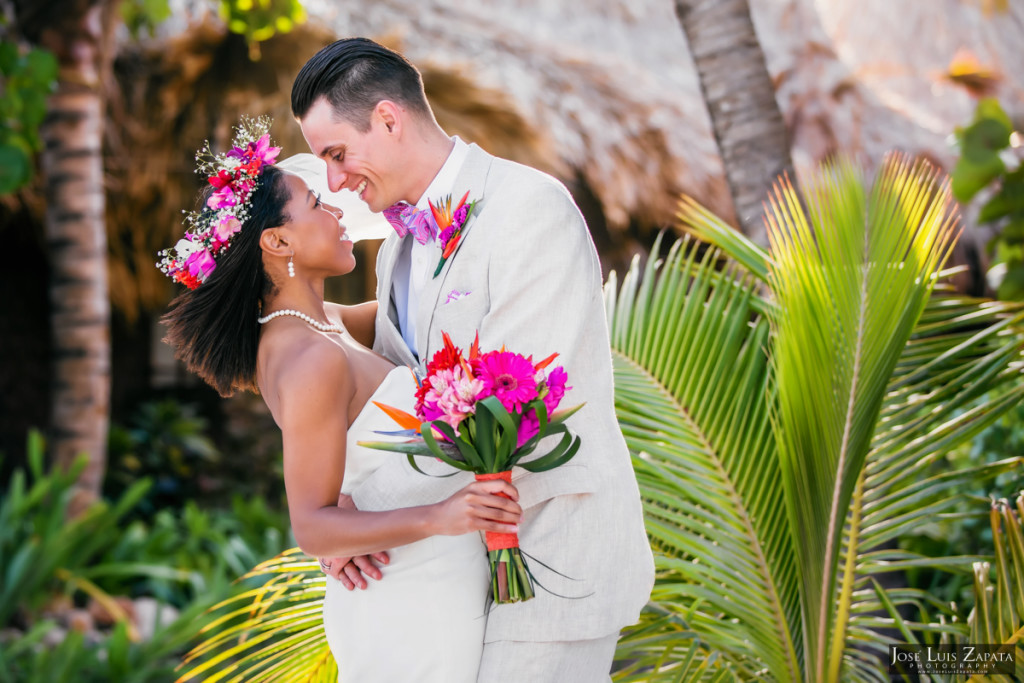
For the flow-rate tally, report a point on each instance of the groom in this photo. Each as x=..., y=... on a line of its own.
x=524, y=275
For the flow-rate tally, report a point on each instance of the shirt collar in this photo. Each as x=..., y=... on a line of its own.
x=443, y=182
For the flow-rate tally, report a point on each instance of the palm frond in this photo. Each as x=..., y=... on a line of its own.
x=998, y=615
x=851, y=276
x=962, y=350
x=271, y=632
x=883, y=392
x=691, y=398
x=665, y=650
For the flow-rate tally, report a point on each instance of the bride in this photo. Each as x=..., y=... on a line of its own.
x=254, y=317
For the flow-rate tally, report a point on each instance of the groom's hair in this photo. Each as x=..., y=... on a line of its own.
x=213, y=328
x=354, y=74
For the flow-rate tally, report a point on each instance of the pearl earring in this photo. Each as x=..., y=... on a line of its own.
x=291, y=266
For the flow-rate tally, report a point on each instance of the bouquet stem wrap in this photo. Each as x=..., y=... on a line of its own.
x=510, y=580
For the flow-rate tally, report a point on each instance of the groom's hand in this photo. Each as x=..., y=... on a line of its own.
x=352, y=571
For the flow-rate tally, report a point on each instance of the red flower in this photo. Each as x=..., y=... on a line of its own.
x=445, y=358
x=188, y=279
x=421, y=395
x=223, y=177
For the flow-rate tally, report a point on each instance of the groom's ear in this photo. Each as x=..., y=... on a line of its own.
x=390, y=115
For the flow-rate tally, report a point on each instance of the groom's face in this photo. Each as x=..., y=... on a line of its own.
x=356, y=161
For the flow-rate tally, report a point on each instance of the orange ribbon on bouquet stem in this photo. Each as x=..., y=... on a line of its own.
x=497, y=540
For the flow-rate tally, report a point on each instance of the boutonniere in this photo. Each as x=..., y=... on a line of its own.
x=450, y=224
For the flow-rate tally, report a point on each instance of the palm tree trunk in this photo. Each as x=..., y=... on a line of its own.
x=72, y=165
x=745, y=117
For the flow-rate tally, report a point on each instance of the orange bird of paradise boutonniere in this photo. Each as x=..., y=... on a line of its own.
x=450, y=223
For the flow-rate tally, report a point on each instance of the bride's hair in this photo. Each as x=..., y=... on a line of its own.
x=354, y=74
x=213, y=328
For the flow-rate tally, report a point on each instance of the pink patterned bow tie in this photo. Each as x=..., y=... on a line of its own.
x=405, y=218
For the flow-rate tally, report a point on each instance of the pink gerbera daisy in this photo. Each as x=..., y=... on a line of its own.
x=508, y=376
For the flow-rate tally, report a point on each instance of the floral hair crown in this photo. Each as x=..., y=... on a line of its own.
x=209, y=231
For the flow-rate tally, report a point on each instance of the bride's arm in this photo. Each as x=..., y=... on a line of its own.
x=313, y=396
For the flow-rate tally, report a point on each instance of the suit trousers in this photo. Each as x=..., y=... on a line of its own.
x=579, y=661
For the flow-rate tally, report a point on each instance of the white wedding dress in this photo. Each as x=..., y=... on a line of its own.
x=424, y=620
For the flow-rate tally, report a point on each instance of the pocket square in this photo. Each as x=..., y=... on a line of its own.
x=455, y=295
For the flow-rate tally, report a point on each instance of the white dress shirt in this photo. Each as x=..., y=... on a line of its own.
x=416, y=262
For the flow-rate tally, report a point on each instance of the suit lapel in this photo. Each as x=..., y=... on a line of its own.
x=472, y=177
x=389, y=337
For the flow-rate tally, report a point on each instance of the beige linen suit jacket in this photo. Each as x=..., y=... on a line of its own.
x=526, y=276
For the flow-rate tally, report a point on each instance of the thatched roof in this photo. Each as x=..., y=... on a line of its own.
x=870, y=76
x=604, y=95
x=612, y=84
x=609, y=83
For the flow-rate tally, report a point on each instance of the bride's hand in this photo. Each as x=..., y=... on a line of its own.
x=481, y=506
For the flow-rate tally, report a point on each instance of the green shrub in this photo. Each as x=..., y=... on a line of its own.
x=200, y=552
x=188, y=559
x=39, y=544
x=167, y=442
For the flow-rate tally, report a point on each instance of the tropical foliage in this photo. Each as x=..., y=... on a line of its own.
x=273, y=629
x=788, y=415
x=790, y=419
x=988, y=160
x=26, y=79
x=998, y=615
x=95, y=598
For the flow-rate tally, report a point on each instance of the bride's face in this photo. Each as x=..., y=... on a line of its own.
x=319, y=240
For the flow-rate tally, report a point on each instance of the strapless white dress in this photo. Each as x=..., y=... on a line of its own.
x=424, y=620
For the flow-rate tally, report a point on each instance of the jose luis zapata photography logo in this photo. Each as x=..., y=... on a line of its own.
x=967, y=659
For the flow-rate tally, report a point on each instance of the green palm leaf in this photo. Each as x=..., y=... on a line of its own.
x=866, y=398
x=860, y=269
x=961, y=349
x=906, y=481
x=691, y=398
x=271, y=632
x=998, y=615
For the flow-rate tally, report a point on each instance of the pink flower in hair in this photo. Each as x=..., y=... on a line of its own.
x=200, y=264
x=225, y=229
x=222, y=198
x=258, y=150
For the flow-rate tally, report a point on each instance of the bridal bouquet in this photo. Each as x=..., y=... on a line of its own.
x=483, y=414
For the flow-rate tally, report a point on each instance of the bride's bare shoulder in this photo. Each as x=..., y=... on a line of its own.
x=293, y=360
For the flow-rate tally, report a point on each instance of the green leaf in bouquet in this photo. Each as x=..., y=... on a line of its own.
x=486, y=437
x=407, y=447
x=510, y=432
x=530, y=444
x=507, y=435
x=560, y=416
x=558, y=456
x=470, y=458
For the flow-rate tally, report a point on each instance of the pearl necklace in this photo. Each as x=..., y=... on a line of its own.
x=323, y=327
